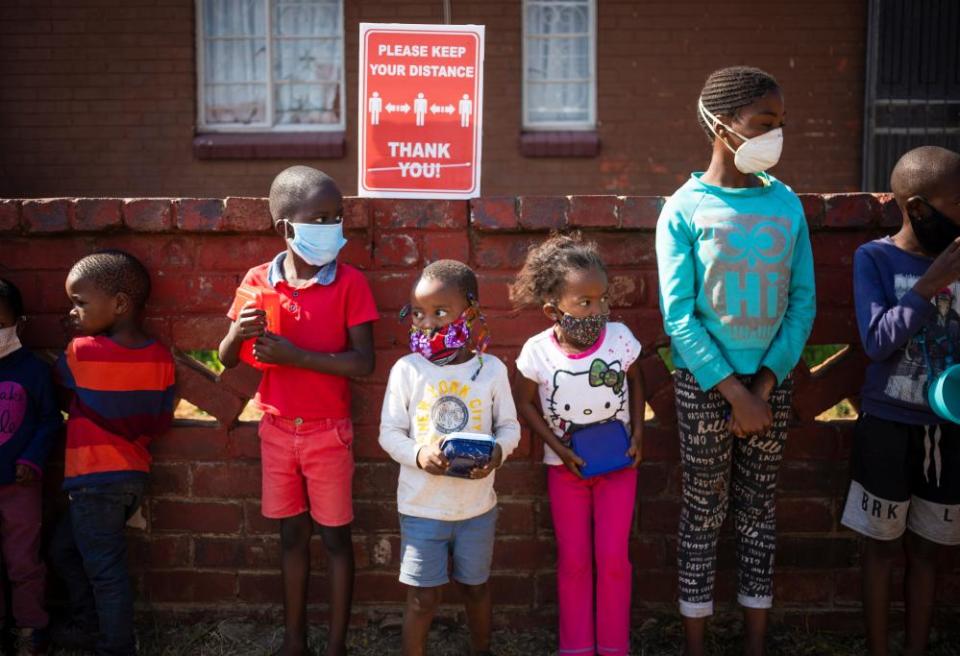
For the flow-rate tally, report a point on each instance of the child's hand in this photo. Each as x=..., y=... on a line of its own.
x=26, y=475
x=251, y=322
x=636, y=446
x=432, y=461
x=763, y=384
x=496, y=459
x=572, y=461
x=274, y=349
x=944, y=271
x=751, y=416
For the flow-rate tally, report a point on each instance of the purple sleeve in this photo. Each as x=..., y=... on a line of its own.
x=884, y=328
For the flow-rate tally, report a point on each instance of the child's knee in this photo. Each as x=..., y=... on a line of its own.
x=423, y=601
x=884, y=549
x=474, y=593
x=295, y=532
x=920, y=548
x=337, y=540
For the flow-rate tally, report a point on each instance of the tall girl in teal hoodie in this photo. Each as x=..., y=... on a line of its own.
x=737, y=297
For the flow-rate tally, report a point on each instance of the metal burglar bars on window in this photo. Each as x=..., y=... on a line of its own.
x=270, y=65
x=559, y=64
x=913, y=82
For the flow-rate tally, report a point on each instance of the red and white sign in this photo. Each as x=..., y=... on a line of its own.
x=421, y=96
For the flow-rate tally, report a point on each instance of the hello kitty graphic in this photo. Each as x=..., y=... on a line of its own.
x=589, y=397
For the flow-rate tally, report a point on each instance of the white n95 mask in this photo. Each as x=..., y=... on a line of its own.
x=754, y=155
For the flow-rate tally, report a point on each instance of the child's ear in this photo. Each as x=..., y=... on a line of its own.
x=917, y=206
x=552, y=312
x=121, y=303
x=283, y=228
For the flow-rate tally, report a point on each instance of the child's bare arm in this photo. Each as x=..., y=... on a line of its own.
x=525, y=391
x=638, y=409
x=357, y=360
x=249, y=324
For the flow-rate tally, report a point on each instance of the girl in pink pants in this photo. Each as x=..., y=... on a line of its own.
x=578, y=373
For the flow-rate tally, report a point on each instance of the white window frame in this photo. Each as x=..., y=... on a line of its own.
x=591, y=122
x=267, y=125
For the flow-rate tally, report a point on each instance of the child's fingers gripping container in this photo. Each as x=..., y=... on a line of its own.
x=466, y=452
x=944, y=394
x=603, y=447
x=262, y=299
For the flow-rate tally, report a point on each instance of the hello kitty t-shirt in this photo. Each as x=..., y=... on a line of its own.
x=582, y=388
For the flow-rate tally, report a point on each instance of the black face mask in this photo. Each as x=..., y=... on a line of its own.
x=934, y=232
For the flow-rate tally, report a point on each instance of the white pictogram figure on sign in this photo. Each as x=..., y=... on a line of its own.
x=375, y=106
x=420, y=108
x=465, y=108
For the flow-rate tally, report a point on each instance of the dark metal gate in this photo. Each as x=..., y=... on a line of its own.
x=913, y=82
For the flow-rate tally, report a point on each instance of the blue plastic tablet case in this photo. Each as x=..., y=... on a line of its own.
x=466, y=452
x=603, y=447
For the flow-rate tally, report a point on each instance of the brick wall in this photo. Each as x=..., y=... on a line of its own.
x=97, y=97
x=206, y=547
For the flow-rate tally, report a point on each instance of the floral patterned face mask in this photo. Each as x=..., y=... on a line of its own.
x=584, y=331
x=442, y=345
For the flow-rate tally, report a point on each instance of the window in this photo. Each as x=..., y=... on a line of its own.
x=270, y=65
x=559, y=65
x=913, y=83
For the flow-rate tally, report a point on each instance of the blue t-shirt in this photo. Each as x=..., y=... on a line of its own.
x=736, y=278
x=908, y=339
x=30, y=419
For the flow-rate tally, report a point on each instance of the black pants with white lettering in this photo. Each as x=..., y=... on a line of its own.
x=720, y=470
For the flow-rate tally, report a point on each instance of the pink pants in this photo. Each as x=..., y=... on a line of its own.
x=592, y=519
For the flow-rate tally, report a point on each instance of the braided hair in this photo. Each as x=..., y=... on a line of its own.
x=729, y=89
x=544, y=272
x=11, y=297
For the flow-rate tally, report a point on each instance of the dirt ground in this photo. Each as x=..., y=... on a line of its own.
x=656, y=637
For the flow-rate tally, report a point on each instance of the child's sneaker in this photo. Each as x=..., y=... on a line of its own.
x=32, y=642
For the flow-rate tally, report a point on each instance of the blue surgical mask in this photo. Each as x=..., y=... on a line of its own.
x=317, y=243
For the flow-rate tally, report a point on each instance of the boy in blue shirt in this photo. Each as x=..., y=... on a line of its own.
x=906, y=460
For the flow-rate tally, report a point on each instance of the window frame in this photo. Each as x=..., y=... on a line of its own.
x=268, y=126
x=591, y=122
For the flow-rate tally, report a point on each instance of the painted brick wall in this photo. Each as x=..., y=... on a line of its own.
x=206, y=547
x=97, y=97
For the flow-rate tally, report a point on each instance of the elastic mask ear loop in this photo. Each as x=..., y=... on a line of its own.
x=711, y=120
x=482, y=334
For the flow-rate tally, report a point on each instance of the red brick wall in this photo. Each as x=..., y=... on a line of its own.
x=97, y=97
x=206, y=547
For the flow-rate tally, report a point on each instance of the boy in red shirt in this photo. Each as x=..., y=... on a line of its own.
x=324, y=335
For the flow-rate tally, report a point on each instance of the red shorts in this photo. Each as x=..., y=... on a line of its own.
x=307, y=465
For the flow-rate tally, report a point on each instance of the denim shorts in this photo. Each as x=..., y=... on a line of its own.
x=426, y=545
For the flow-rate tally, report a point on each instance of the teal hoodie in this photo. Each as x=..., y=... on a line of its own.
x=736, y=279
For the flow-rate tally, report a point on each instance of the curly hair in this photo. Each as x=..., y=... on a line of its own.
x=545, y=270
x=729, y=89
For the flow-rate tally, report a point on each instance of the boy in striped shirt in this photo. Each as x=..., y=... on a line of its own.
x=119, y=385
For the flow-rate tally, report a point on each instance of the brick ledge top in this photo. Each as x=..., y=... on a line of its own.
x=43, y=216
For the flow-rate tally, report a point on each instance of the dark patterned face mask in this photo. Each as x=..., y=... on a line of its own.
x=583, y=331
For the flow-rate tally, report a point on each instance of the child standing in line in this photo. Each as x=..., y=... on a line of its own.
x=441, y=389
x=906, y=460
x=581, y=371
x=737, y=297
x=325, y=336
x=29, y=423
x=120, y=386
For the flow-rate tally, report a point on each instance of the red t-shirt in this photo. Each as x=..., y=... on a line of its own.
x=315, y=318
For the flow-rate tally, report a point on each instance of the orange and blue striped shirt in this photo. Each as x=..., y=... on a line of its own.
x=120, y=398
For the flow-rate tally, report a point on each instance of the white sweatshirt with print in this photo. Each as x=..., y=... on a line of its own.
x=423, y=404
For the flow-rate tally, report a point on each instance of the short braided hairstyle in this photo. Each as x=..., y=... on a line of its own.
x=729, y=89
x=114, y=272
x=545, y=270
